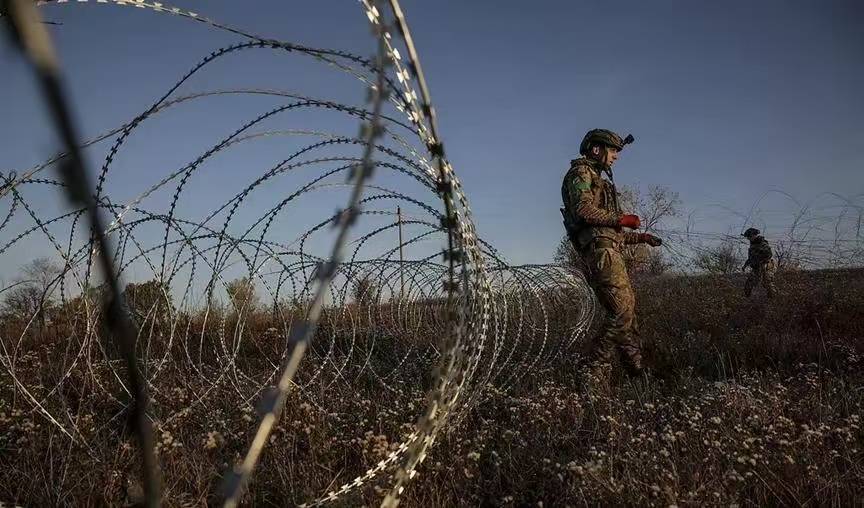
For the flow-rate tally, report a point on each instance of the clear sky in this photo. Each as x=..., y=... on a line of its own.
x=727, y=100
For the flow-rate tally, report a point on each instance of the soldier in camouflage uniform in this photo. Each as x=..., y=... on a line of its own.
x=760, y=259
x=594, y=223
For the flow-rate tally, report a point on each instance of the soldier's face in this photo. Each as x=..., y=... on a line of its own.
x=607, y=155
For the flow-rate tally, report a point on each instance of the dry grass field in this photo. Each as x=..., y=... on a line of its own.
x=749, y=403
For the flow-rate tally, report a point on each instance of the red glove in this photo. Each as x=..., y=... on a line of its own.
x=650, y=239
x=629, y=221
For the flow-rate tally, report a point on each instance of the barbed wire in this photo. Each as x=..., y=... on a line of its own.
x=462, y=314
x=807, y=238
x=252, y=295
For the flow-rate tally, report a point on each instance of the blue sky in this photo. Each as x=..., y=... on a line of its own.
x=727, y=100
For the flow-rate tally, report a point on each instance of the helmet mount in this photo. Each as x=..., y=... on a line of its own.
x=603, y=137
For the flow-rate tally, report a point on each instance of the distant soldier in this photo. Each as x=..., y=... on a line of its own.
x=594, y=222
x=760, y=259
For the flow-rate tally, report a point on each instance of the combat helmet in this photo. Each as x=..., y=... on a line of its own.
x=751, y=232
x=605, y=137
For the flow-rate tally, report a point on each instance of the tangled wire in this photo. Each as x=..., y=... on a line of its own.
x=247, y=290
x=231, y=303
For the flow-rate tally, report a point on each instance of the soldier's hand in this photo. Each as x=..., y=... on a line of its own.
x=630, y=221
x=650, y=239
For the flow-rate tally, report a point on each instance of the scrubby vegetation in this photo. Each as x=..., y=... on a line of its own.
x=750, y=402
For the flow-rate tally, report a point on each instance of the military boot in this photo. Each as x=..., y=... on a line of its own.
x=631, y=359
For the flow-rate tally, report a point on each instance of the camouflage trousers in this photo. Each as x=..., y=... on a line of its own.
x=761, y=275
x=608, y=276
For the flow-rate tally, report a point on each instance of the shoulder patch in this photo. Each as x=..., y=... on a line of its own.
x=582, y=185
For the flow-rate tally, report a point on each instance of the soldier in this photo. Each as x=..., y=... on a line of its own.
x=760, y=259
x=594, y=222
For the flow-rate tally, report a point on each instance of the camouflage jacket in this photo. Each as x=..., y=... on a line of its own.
x=759, y=252
x=591, y=205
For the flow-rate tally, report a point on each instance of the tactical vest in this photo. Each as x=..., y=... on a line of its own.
x=604, y=196
x=760, y=251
